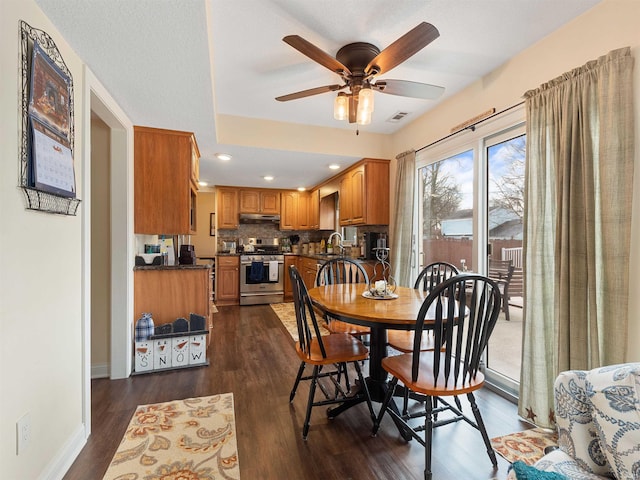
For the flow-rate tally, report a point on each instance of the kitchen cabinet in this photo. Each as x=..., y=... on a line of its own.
x=294, y=212
x=314, y=209
x=228, y=280
x=364, y=193
x=227, y=208
x=166, y=165
x=170, y=292
x=260, y=201
x=308, y=268
x=288, y=289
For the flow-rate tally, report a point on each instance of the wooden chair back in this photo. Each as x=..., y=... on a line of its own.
x=341, y=270
x=434, y=274
x=473, y=313
x=306, y=320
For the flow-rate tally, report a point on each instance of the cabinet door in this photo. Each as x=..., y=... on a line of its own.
x=270, y=203
x=162, y=181
x=249, y=201
x=357, y=197
x=228, y=280
x=303, y=222
x=345, y=200
x=308, y=269
x=314, y=210
x=288, y=219
x=288, y=289
x=227, y=208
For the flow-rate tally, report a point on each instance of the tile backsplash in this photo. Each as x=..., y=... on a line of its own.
x=272, y=231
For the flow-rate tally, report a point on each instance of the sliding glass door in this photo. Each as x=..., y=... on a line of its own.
x=470, y=206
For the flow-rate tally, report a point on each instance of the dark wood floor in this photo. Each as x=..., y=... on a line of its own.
x=252, y=355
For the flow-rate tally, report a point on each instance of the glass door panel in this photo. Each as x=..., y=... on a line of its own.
x=505, y=208
x=446, y=190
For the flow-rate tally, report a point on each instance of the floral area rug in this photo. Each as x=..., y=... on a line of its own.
x=527, y=446
x=287, y=315
x=191, y=439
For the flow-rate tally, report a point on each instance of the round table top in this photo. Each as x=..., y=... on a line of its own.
x=345, y=302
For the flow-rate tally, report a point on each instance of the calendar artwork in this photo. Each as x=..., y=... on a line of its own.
x=51, y=157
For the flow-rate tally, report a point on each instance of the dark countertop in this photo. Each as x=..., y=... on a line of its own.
x=170, y=267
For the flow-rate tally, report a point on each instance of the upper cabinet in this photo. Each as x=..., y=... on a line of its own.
x=166, y=164
x=314, y=209
x=260, y=201
x=227, y=208
x=295, y=211
x=364, y=193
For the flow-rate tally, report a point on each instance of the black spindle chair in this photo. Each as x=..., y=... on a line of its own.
x=333, y=351
x=462, y=312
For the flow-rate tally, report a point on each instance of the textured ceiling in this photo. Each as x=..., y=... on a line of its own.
x=178, y=63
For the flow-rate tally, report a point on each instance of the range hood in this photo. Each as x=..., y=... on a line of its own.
x=258, y=218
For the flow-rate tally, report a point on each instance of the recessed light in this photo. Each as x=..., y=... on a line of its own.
x=203, y=184
x=268, y=178
x=223, y=156
x=301, y=189
x=334, y=166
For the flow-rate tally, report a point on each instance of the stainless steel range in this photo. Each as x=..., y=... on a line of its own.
x=261, y=272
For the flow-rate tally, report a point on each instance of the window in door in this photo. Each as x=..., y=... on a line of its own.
x=505, y=200
x=446, y=221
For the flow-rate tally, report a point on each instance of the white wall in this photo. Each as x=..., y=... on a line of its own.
x=609, y=25
x=41, y=363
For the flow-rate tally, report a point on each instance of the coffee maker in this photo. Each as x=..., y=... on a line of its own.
x=370, y=243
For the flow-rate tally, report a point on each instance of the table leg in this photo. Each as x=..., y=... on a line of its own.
x=377, y=381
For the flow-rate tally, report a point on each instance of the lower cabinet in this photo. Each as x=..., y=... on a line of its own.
x=227, y=280
x=288, y=289
x=169, y=293
x=308, y=268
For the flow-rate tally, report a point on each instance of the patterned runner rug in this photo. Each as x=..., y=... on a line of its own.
x=287, y=315
x=191, y=438
x=527, y=446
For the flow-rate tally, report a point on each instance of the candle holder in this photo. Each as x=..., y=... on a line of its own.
x=382, y=284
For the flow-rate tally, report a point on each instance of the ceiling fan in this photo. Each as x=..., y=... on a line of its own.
x=358, y=64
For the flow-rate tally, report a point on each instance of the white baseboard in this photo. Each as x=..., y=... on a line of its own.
x=100, y=370
x=58, y=466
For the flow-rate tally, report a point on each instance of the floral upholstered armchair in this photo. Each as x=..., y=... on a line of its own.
x=598, y=419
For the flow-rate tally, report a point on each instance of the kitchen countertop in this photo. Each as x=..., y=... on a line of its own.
x=316, y=256
x=170, y=267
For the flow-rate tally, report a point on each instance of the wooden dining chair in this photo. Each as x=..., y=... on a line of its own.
x=402, y=340
x=430, y=276
x=462, y=311
x=342, y=270
x=328, y=355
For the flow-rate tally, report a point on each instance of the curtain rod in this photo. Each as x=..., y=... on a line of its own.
x=471, y=127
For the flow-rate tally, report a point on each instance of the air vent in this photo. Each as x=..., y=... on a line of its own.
x=396, y=117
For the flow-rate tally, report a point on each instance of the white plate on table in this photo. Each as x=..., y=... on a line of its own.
x=388, y=296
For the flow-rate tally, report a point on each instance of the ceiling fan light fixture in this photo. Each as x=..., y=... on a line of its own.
x=365, y=99
x=341, y=106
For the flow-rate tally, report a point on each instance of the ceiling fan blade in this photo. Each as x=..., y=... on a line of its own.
x=405, y=88
x=315, y=54
x=311, y=91
x=406, y=46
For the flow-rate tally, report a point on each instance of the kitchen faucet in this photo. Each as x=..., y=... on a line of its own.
x=340, y=246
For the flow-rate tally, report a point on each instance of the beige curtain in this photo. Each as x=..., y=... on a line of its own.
x=402, y=241
x=578, y=193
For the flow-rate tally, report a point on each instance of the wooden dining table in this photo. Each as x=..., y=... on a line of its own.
x=346, y=302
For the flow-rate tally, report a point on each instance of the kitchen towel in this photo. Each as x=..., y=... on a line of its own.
x=255, y=275
x=273, y=270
